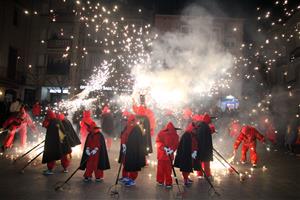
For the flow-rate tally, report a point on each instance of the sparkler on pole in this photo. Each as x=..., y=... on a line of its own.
x=28, y=152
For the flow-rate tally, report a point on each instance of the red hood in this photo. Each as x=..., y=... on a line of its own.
x=190, y=127
x=50, y=114
x=203, y=118
x=86, y=114
x=60, y=116
x=131, y=119
x=105, y=110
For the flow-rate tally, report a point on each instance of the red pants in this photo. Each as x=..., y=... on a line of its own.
x=131, y=175
x=8, y=141
x=253, y=154
x=92, y=166
x=185, y=175
x=65, y=162
x=164, y=171
x=206, y=167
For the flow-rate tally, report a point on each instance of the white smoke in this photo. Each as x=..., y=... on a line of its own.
x=185, y=64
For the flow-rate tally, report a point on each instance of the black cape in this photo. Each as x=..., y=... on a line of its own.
x=71, y=133
x=103, y=161
x=146, y=132
x=54, y=149
x=107, y=124
x=135, y=158
x=183, y=159
x=204, y=139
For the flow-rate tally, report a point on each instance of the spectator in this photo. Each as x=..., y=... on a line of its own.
x=36, y=109
x=291, y=135
x=15, y=106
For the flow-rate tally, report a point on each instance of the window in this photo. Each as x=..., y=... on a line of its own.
x=57, y=65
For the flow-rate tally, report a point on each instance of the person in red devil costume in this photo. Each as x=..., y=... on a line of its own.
x=18, y=124
x=36, y=109
x=94, y=157
x=57, y=146
x=132, y=152
x=167, y=142
x=248, y=137
x=186, y=154
x=86, y=119
x=146, y=117
x=204, y=130
x=234, y=128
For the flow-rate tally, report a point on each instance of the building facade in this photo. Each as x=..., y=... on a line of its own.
x=45, y=51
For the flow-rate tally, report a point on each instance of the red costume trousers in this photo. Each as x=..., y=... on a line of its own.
x=206, y=167
x=253, y=154
x=92, y=166
x=65, y=162
x=164, y=171
x=185, y=175
x=131, y=175
x=8, y=141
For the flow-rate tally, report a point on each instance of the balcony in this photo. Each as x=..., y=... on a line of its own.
x=58, y=43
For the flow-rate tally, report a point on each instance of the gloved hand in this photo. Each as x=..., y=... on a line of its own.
x=166, y=150
x=124, y=148
x=87, y=151
x=194, y=154
x=94, y=151
x=170, y=152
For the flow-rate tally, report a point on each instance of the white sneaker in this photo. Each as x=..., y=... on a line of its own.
x=99, y=180
x=87, y=179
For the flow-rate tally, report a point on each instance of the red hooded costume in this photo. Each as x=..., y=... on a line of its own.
x=86, y=119
x=36, y=109
x=166, y=138
x=18, y=124
x=133, y=158
x=248, y=136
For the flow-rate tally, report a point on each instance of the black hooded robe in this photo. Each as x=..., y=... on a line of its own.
x=103, y=161
x=135, y=158
x=71, y=133
x=146, y=132
x=204, y=139
x=183, y=159
x=53, y=148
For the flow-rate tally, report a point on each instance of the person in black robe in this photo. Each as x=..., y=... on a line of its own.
x=204, y=131
x=132, y=151
x=144, y=124
x=69, y=130
x=186, y=154
x=57, y=146
x=94, y=157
